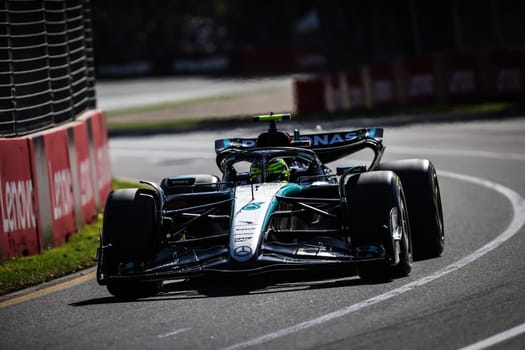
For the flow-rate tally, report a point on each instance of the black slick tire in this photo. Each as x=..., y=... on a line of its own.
x=130, y=233
x=423, y=197
x=371, y=199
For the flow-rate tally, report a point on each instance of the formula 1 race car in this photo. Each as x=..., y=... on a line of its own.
x=277, y=206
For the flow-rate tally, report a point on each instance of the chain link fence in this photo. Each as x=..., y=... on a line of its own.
x=47, y=74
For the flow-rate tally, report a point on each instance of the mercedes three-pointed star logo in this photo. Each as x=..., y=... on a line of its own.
x=243, y=251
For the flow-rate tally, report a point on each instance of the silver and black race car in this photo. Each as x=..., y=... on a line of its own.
x=277, y=206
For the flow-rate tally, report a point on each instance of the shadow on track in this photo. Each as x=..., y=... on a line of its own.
x=232, y=286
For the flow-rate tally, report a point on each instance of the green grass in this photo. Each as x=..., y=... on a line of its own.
x=172, y=104
x=155, y=125
x=77, y=254
x=177, y=125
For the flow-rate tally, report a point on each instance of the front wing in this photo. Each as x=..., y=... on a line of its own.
x=217, y=260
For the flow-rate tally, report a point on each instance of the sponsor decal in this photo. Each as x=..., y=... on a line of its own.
x=253, y=206
x=247, y=228
x=16, y=204
x=103, y=166
x=181, y=181
x=245, y=234
x=462, y=81
x=236, y=143
x=383, y=91
x=86, y=187
x=509, y=80
x=421, y=85
x=328, y=139
x=62, y=197
x=248, y=143
x=247, y=223
x=314, y=140
x=357, y=97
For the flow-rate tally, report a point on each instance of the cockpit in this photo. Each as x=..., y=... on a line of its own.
x=271, y=165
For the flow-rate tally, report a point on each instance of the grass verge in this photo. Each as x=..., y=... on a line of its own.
x=172, y=104
x=176, y=125
x=77, y=254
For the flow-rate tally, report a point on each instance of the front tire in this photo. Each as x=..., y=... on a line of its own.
x=377, y=209
x=129, y=234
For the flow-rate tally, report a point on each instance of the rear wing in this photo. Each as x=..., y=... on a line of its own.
x=328, y=146
x=331, y=146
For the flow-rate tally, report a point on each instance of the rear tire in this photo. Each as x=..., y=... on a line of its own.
x=373, y=198
x=130, y=233
x=423, y=197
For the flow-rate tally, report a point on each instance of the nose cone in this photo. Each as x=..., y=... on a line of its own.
x=252, y=207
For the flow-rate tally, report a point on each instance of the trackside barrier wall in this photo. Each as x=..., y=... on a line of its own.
x=60, y=185
x=383, y=85
x=496, y=75
x=85, y=198
x=51, y=184
x=355, y=89
x=504, y=76
x=308, y=94
x=99, y=149
x=420, y=82
x=463, y=76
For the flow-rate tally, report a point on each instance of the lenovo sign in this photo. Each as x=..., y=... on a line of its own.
x=60, y=185
x=16, y=204
x=18, y=209
x=62, y=198
x=101, y=154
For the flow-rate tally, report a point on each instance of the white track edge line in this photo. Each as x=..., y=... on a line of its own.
x=497, y=338
x=172, y=333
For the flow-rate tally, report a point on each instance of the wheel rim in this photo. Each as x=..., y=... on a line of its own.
x=406, y=228
x=439, y=208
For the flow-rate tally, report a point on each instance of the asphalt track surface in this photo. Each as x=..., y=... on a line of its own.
x=471, y=296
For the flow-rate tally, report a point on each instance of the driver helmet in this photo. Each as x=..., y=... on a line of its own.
x=277, y=171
